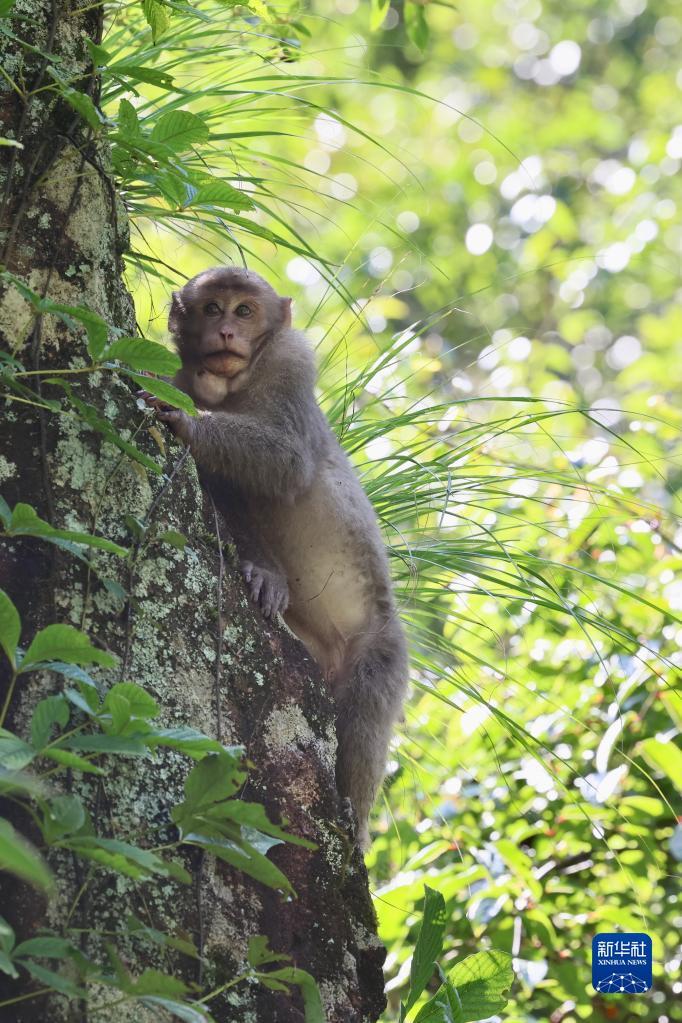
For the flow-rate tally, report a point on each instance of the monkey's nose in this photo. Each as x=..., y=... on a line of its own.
x=226, y=333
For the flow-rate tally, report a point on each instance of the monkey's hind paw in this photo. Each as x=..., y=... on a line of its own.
x=266, y=588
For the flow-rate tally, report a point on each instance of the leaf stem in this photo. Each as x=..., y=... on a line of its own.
x=23, y=998
x=8, y=697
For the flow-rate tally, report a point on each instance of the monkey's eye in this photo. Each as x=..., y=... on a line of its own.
x=243, y=310
x=212, y=309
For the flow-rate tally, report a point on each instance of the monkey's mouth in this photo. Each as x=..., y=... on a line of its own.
x=224, y=363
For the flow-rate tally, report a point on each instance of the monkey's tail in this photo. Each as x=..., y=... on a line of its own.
x=368, y=706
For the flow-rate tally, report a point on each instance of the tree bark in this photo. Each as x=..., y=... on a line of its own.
x=199, y=649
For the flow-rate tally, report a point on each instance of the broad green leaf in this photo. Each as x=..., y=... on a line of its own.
x=124, y=858
x=137, y=73
x=253, y=815
x=100, y=56
x=166, y=392
x=260, y=952
x=65, y=815
x=49, y=978
x=218, y=776
x=416, y=24
x=20, y=782
x=179, y=130
x=143, y=355
x=82, y=104
x=378, y=12
x=476, y=988
x=6, y=8
x=186, y=740
x=429, y=944
x=14, y=752
x=665, y=757
x=188, y=1013
x=45, y=948
x=7, y=936
x=25, y=521
x=95, y=327
x=72, y=760
x=106, y=744
x=312, y=1002
x=220, y=193
x=53, y=710
x=10, y=627
x=175, y=539
x=139, y=702
x=19, y=857
x=245, y=857
x=64, y=643
x=5, y=511
x=6, y=964
x=158, y=17
x=12, y=143
x=128, y=123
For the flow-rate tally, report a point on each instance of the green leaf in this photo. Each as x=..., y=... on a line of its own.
x=4, y=141
x=476, y=988
x=378, y=12
x=53, y=710
x=260, y=952
x=106, y=744
x=7, y=936
x=128, y=123
x=64, y=643
x=139, y=703
x=83, y=105
x=5, y=511
x=95, y=327
x=54, y=980
x=6, y=964
x=175, y=539
x=89, y=414
x=244, y=857
x=46, y=948
x=10, y=627
x=122, y=857
x=137, y=73
x=218, y=776
x=253, y=815
x=179, y=130
x=186, y=740
x=220, y=193
x=25, y=521
x=100, y=56
x=416, y=24
x=312, y=1002
x=65, y=815
x=158, y=17
x=143, y=355
x=14, y=752
x=429, y=945
x=193, y=1013
x=166, y=392
x=6, y=8
x=664, y=757
x=72, y=760
x=20, y=858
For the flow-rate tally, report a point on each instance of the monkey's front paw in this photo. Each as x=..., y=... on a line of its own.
x=177, y=421
x=267, y=588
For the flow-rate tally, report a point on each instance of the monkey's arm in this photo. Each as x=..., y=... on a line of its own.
x=266, y=454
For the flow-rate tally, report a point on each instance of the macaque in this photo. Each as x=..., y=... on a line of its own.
x=308, y=542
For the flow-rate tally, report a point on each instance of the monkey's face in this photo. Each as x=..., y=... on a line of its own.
x=221, y=321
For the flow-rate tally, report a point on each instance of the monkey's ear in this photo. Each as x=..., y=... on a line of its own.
x=177, y=310
x=286, y=311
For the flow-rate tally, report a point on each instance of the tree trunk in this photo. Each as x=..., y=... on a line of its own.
x=199, y=649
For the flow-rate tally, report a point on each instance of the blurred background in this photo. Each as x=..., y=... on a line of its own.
x=476, y=208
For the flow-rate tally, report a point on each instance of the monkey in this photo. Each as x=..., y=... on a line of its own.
x=307, y=538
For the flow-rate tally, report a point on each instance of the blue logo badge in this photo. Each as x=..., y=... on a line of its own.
x=621, y=963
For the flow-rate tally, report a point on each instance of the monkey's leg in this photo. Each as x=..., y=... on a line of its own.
x=368, y=706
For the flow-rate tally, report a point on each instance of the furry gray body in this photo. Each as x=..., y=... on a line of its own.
x=308, y=542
